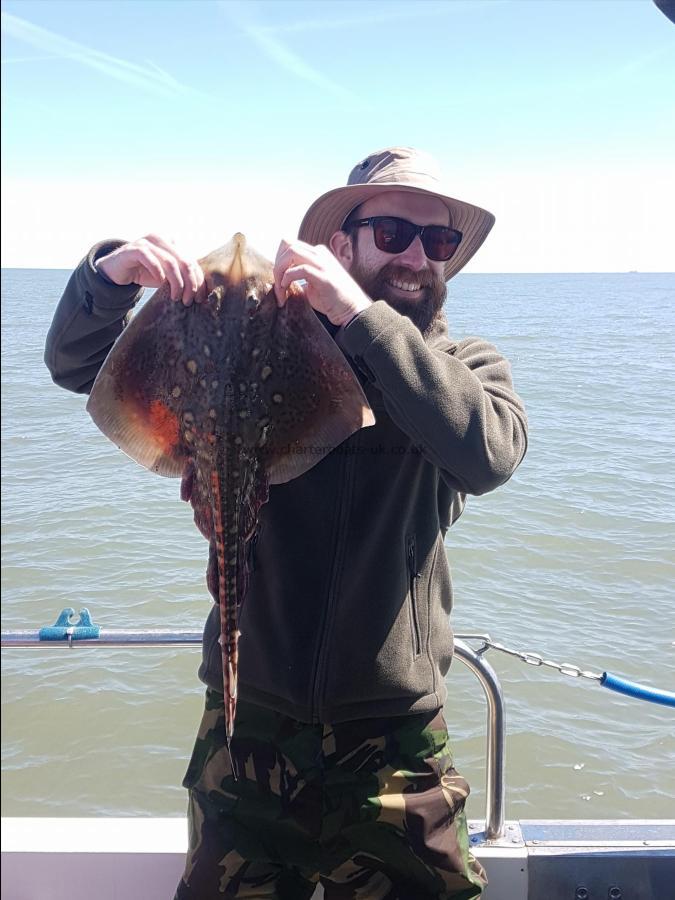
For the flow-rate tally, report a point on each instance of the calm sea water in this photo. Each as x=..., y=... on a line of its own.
x=574, y=558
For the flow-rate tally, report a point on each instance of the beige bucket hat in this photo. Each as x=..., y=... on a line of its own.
x=396, y=169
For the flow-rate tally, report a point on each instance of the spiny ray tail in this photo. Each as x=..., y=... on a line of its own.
x=228, y=546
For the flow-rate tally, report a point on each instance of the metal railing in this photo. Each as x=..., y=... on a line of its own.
x=495, y=758
x=495, y=785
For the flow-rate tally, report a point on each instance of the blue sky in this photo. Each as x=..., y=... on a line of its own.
x=198, y=119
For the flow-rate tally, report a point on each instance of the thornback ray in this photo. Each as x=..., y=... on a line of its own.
x=232, y=395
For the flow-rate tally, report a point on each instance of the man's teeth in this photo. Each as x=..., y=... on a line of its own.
x=405, y=285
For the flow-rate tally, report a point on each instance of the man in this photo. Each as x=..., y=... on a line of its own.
x=344, y=769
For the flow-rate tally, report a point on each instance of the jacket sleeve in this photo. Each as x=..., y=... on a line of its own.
x=88, y=320
x=458, y=404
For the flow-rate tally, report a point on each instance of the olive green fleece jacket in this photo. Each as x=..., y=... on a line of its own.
x=347, y=612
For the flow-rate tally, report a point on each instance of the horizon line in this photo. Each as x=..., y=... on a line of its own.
x=540, y=272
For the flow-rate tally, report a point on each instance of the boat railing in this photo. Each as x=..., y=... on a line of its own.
x=495, y=757
x=73, y=635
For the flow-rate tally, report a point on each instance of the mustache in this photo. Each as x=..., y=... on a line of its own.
x=393, y=272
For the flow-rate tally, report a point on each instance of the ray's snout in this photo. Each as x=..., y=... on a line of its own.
x=236, y=263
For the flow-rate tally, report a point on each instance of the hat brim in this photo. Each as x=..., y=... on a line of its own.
x=327, y=215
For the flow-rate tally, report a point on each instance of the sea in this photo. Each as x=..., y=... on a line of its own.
x=573, y=559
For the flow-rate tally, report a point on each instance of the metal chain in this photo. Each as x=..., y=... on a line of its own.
x=536, y=659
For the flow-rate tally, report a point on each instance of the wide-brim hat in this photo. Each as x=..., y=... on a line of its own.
x=396, y=169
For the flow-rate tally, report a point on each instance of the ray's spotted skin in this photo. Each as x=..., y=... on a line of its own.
x=232, y=395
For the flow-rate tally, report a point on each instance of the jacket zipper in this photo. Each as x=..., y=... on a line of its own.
x=251, y=558
x=321, y=659
x=413, y=575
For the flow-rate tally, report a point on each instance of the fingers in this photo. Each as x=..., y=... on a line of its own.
x=281, y=263
x=172, y=273
x=150, y=261
x=151, y=270
x=158, y=241
x=298, y=273
x=292, y=256
x=189, y=280
x=185, y=276
x=203, y=290
x=330, y=288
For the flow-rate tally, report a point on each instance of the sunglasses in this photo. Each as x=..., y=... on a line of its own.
x=393, y=235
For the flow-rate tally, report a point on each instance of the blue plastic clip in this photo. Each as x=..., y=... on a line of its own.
x=83, y=629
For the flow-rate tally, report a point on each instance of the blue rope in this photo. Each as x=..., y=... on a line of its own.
x=82, y=630
x=640, y=691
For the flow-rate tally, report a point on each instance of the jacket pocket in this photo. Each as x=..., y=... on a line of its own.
x=413, y=578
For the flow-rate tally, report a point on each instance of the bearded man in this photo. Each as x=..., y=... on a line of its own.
x=341, y=752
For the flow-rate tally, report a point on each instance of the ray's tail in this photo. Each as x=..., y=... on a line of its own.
x=227, y=590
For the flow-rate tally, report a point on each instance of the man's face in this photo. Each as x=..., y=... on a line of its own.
x=410, y=282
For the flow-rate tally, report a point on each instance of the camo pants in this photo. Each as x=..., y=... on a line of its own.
x=372, y=809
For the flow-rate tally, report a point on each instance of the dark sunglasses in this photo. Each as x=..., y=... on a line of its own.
x=394, y=235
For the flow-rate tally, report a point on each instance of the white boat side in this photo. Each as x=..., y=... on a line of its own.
x=143, y=859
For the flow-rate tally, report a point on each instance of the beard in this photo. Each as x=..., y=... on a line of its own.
x=424, y=312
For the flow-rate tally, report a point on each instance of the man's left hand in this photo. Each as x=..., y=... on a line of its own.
x=329, y=288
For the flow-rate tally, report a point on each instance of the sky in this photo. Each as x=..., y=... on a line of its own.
x=195, y=120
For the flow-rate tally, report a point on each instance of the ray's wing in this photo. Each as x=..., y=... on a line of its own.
x=316, y=402
x=137, y=398
x=301, y=386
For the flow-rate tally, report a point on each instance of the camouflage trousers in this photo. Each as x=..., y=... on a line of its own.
x=371, y=809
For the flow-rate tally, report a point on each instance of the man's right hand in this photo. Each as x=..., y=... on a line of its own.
x=149, y=262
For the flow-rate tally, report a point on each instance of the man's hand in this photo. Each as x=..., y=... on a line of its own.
x=329, y=288
x=150, y=261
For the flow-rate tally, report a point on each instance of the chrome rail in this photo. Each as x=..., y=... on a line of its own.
x=495, y=787
x=495, y=760
x=109, y=637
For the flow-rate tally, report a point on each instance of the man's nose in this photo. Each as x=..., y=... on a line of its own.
x=414, y=256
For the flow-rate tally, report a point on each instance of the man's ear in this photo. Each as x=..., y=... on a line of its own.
x=341, y=247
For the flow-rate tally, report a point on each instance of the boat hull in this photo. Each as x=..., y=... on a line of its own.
x=143, y=858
